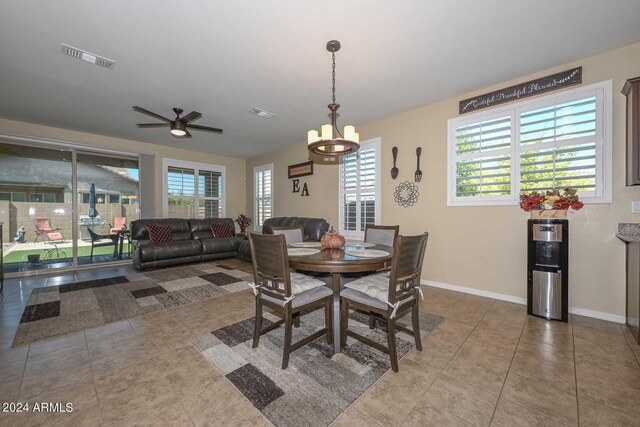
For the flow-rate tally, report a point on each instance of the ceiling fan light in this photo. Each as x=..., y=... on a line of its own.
x=178, y=132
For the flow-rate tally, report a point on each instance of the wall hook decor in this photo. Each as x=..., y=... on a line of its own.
x=394, y=169
x=406, y=194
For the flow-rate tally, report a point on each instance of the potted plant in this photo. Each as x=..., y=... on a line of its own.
x=243, y=222
x=553, y=204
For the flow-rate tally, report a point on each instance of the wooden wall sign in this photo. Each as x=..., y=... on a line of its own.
x=523, y=90
x=301, y=169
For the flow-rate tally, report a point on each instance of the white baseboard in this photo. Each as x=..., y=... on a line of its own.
x=519, y=300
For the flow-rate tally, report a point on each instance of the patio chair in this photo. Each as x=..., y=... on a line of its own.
x=44, y=229
x=102, y=240
x=118, y=223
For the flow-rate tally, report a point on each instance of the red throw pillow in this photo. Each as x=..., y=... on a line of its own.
x=222, y=230
x=160, y=233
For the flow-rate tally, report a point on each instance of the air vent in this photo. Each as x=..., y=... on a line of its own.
x=88, y=57
x=262, y=113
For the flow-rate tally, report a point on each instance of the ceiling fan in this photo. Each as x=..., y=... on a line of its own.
x=179, y=126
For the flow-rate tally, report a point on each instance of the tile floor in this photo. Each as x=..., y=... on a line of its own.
x=487, y=364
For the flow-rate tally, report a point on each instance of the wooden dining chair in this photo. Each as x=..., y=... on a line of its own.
x=381, y=234
x=289, y=294
x=291, y=233
x=388, y=298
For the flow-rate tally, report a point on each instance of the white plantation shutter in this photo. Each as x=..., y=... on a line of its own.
x=263, y=194
x=360, y=189
x=210, y=194
x=181, y=182
x=552, y=142
x=193, y=190
x=558, y=147
x=483, y=159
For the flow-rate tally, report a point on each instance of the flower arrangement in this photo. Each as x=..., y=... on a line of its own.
x=243, y=222
x=552, y=200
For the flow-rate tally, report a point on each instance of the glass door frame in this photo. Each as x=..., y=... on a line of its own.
x=74, y=149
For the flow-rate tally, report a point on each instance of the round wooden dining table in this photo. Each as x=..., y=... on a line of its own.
x=335, y=262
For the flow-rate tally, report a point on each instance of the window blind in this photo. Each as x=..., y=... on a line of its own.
x=483, y=158
x=558, y=147
x=263, y=184
x=359, y=189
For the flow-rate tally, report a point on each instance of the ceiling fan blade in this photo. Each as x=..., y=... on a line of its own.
x=191, y=117
x=204, y=128
x=150, y=113
x=151, y=125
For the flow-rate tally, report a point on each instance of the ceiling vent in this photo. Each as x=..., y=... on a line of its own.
x=88, y=57
x=262, y=113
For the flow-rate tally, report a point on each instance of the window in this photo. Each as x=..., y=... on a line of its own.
x=193, y=190
x=40, y=197
x=360, y=189
x=553, y=142
x=13, y=197
x=263, y=194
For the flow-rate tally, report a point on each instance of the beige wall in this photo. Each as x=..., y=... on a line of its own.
x=235, y=167
x=322, y=201
x=484, y=247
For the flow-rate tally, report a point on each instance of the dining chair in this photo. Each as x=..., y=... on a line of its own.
x=291, y=233
x=288, y=294
x=388, y=298
x=381, y=234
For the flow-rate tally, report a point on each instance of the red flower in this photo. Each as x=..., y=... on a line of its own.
x=561, y=204
x=577, y=205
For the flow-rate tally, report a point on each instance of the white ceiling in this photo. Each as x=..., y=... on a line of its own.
x=222, y=58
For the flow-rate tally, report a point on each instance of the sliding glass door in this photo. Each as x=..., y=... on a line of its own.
x=62, y=207
x=107, y=203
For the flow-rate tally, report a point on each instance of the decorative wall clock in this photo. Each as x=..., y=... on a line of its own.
x=406, y=194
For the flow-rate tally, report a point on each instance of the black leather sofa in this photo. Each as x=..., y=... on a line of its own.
x=314, y=229
x=194, y=242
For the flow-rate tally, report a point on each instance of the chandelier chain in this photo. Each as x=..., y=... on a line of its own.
x=333, y=77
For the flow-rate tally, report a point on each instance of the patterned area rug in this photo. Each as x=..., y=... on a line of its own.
x=59, y=310
x=318, y=386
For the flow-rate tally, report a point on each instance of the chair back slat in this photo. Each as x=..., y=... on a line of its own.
x=291, y=233
x=381, y=234
x=406, y=268
x=270, y=264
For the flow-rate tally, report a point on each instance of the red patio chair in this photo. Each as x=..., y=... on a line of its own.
x=44, y=229
x=118, y=223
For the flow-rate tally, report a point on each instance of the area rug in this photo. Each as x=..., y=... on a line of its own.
x=318, y=386
x=58, y=310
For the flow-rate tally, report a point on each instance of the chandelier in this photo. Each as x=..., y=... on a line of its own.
x=331, y=142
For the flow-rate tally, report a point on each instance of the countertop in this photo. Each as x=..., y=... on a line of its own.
x=629, y=232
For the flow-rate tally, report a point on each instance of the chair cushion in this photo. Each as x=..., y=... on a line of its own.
x=365, y=299
x=375, y=286
x=160, y=233
x=301, y=283
x=303, y=298
x=221, y=230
